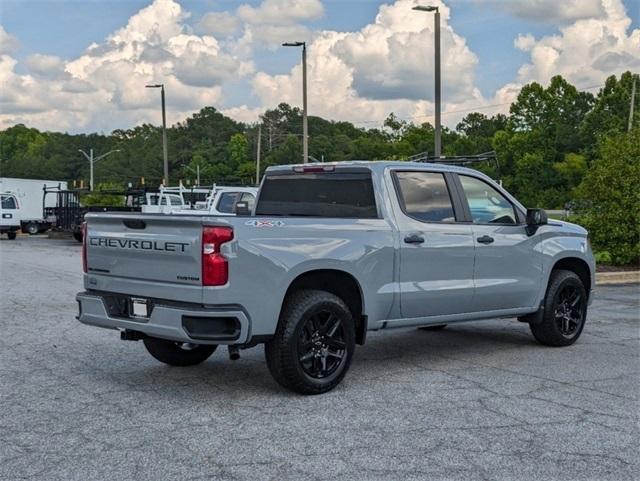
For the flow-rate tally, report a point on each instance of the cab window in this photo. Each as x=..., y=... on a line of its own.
x=8, y=202
x=227, y=202
x=249, y=198
x=487, y=205
x=425, y=196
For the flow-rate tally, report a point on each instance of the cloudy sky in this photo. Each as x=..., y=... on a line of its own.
x=81, y=65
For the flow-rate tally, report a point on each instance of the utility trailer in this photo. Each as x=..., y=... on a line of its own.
x=68, y=213
x=30, y=197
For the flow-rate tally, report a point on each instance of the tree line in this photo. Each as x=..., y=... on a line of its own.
x=550, y=147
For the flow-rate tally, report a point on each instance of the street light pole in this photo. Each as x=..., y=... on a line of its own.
x=90, y=169
x=258, y=153
x=438, y=100
x=165, y=153
x=305, y=127
x=92, y=161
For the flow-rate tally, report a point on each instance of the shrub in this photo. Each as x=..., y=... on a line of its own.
x=609, y=198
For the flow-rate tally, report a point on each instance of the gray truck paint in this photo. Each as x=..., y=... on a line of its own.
x=448, y=278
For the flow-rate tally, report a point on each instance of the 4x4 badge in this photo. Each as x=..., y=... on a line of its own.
x=265, y=223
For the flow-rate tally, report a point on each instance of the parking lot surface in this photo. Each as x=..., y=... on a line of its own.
x=474, y=401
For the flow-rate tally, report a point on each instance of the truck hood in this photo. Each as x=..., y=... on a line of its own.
x=568, y=227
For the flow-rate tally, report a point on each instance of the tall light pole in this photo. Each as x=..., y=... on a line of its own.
x=165, y=154
x=431, y=8
x=92, y=161
x=305, y=128
x=258, y=153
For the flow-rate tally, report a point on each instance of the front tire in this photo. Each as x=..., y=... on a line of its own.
x=565, y=310
x=178, y=353
x=312, y=349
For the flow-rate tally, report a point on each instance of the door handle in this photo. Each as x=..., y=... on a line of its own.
x=414, y=239
x=485, y=239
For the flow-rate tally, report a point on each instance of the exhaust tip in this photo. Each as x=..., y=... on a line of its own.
x=234, y=353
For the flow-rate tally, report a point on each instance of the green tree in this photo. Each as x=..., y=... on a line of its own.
x=610, y=112
x=609, y=198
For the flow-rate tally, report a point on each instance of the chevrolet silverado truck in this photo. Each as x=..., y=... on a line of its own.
x=328, y=253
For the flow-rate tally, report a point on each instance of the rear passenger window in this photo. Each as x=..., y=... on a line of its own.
x=425, y=196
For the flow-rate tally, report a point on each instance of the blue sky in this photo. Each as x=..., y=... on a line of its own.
x=64, y=29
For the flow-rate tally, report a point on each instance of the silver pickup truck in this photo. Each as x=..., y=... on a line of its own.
x=329, y=252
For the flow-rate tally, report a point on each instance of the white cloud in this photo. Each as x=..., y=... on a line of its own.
x=244, y=113
x=385, y=67
x=45, y=65
x=586, y=51
x=551, y=11
x=105, y=89
x=281, y=12
x=218, y=23
x=8, y=43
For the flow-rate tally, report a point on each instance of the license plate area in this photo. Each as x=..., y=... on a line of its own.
x=139, y=308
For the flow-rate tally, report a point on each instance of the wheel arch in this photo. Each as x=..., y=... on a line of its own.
x=340, y=283
x=577, y=265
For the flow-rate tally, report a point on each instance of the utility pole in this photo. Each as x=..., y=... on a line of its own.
x=90, y=169
x=438, y=91
x=165, y=153
x=305, y=127
x=633, y=101
x=92, y=161
x=258, y=154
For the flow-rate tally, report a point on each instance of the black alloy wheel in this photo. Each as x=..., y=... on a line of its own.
x=321, y=344
x=314, y=342
x=569, y=310
x=564, y=310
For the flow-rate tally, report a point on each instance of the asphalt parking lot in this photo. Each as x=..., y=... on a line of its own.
x=474, y=401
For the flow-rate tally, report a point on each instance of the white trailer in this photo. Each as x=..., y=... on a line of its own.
x=30, y=195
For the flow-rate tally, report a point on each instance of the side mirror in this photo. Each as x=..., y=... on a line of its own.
x=535, y=218
x=242, y=208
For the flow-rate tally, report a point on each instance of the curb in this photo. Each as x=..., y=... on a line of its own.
x=621, y=277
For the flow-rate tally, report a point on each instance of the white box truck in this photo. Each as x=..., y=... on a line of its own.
x=31, y=201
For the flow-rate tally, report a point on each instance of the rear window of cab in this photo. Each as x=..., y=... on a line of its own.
x=319, y=194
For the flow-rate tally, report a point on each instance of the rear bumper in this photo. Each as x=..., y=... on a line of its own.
x=169, y=320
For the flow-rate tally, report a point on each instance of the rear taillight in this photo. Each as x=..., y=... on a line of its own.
x=84, y=247
x=215, y=268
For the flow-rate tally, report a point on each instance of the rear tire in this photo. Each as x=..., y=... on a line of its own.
x=565, y=310
x=178, y=353
x=77, y=236
x=438, y=327
x=32, y=228
x=11, y=235
x=312, y=349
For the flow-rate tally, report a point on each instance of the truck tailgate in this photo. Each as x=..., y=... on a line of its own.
x=150, y=248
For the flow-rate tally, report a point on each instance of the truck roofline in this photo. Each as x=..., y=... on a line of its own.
x=379, y=166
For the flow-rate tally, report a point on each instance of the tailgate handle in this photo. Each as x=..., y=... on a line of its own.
x=134, y=224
